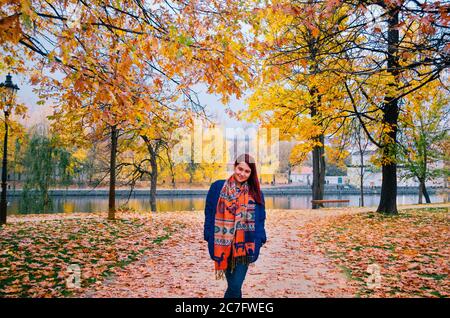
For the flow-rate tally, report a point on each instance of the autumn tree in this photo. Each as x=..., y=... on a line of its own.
x=105, y=52
x=401, y=46
x=298, y=89
x=102, y=85
x=45, y=163
x=423, y=129
x=155, y=131
x=360, y=147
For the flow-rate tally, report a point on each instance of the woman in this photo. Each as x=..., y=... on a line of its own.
x=234, y=223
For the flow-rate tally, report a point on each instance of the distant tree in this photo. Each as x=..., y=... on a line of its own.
x=424, y=130
x=45, y=163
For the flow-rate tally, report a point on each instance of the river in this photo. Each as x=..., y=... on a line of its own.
x=88, y=204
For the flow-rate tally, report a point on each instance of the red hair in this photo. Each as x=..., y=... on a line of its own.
x=253, y=182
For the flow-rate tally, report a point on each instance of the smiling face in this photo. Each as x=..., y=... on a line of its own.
x=242, y=172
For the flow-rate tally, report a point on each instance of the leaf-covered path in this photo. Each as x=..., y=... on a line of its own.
x=309, y=253
x=290, y=264
x=182, y=268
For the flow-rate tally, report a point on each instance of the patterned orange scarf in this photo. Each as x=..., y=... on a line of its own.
x=233, y=227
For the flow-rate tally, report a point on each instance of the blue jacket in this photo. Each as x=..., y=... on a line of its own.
x=210, y=211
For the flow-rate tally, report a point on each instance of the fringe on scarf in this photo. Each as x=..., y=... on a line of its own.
x=220, y=274
x=245, y=260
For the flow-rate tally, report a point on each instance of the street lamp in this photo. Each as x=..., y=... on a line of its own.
x=8, y=92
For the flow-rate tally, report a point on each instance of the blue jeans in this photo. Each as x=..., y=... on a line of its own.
x=235, y=281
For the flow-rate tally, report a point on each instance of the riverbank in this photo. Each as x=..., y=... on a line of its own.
x=267, y=190
x=164, y=255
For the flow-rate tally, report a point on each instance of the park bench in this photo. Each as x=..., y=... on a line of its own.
x=329, y=201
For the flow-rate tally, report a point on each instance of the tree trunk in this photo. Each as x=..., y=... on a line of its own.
x=153, y=152
x=361, y=172
x=322, y=165
x=318, y=156
x=424, y=191
x=112, y=174
x=172, y=175
x=388, y=198
x=191, y=172
x=425, y=172
x=318, y=174
x=153, y=179
x=172, y=172
x=420, y=192
x=289, y=174
x=426, y=195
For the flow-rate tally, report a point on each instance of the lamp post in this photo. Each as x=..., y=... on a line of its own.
x=8, y=94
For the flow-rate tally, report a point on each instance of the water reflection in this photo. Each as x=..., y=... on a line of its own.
x=99, y=204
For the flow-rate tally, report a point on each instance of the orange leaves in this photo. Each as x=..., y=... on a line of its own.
x=26, y=7
x=123, y=67
x=411, y=250
x=315, y=32
x=158, y=83
x=79, y=85
x=35, y=255
x=427, y=28
x=332, y=4
x=336, y=155
x=304, y=63
x=10, y=29
x=150, y=47
x=35, y=78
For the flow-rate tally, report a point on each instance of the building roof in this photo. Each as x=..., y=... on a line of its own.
x=302, y=170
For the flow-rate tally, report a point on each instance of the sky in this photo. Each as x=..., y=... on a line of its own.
x=38, y=113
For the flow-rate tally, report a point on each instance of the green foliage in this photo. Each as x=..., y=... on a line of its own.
x=38, y=168
x=44, y=164
x=334, y=170
x=424, y=136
